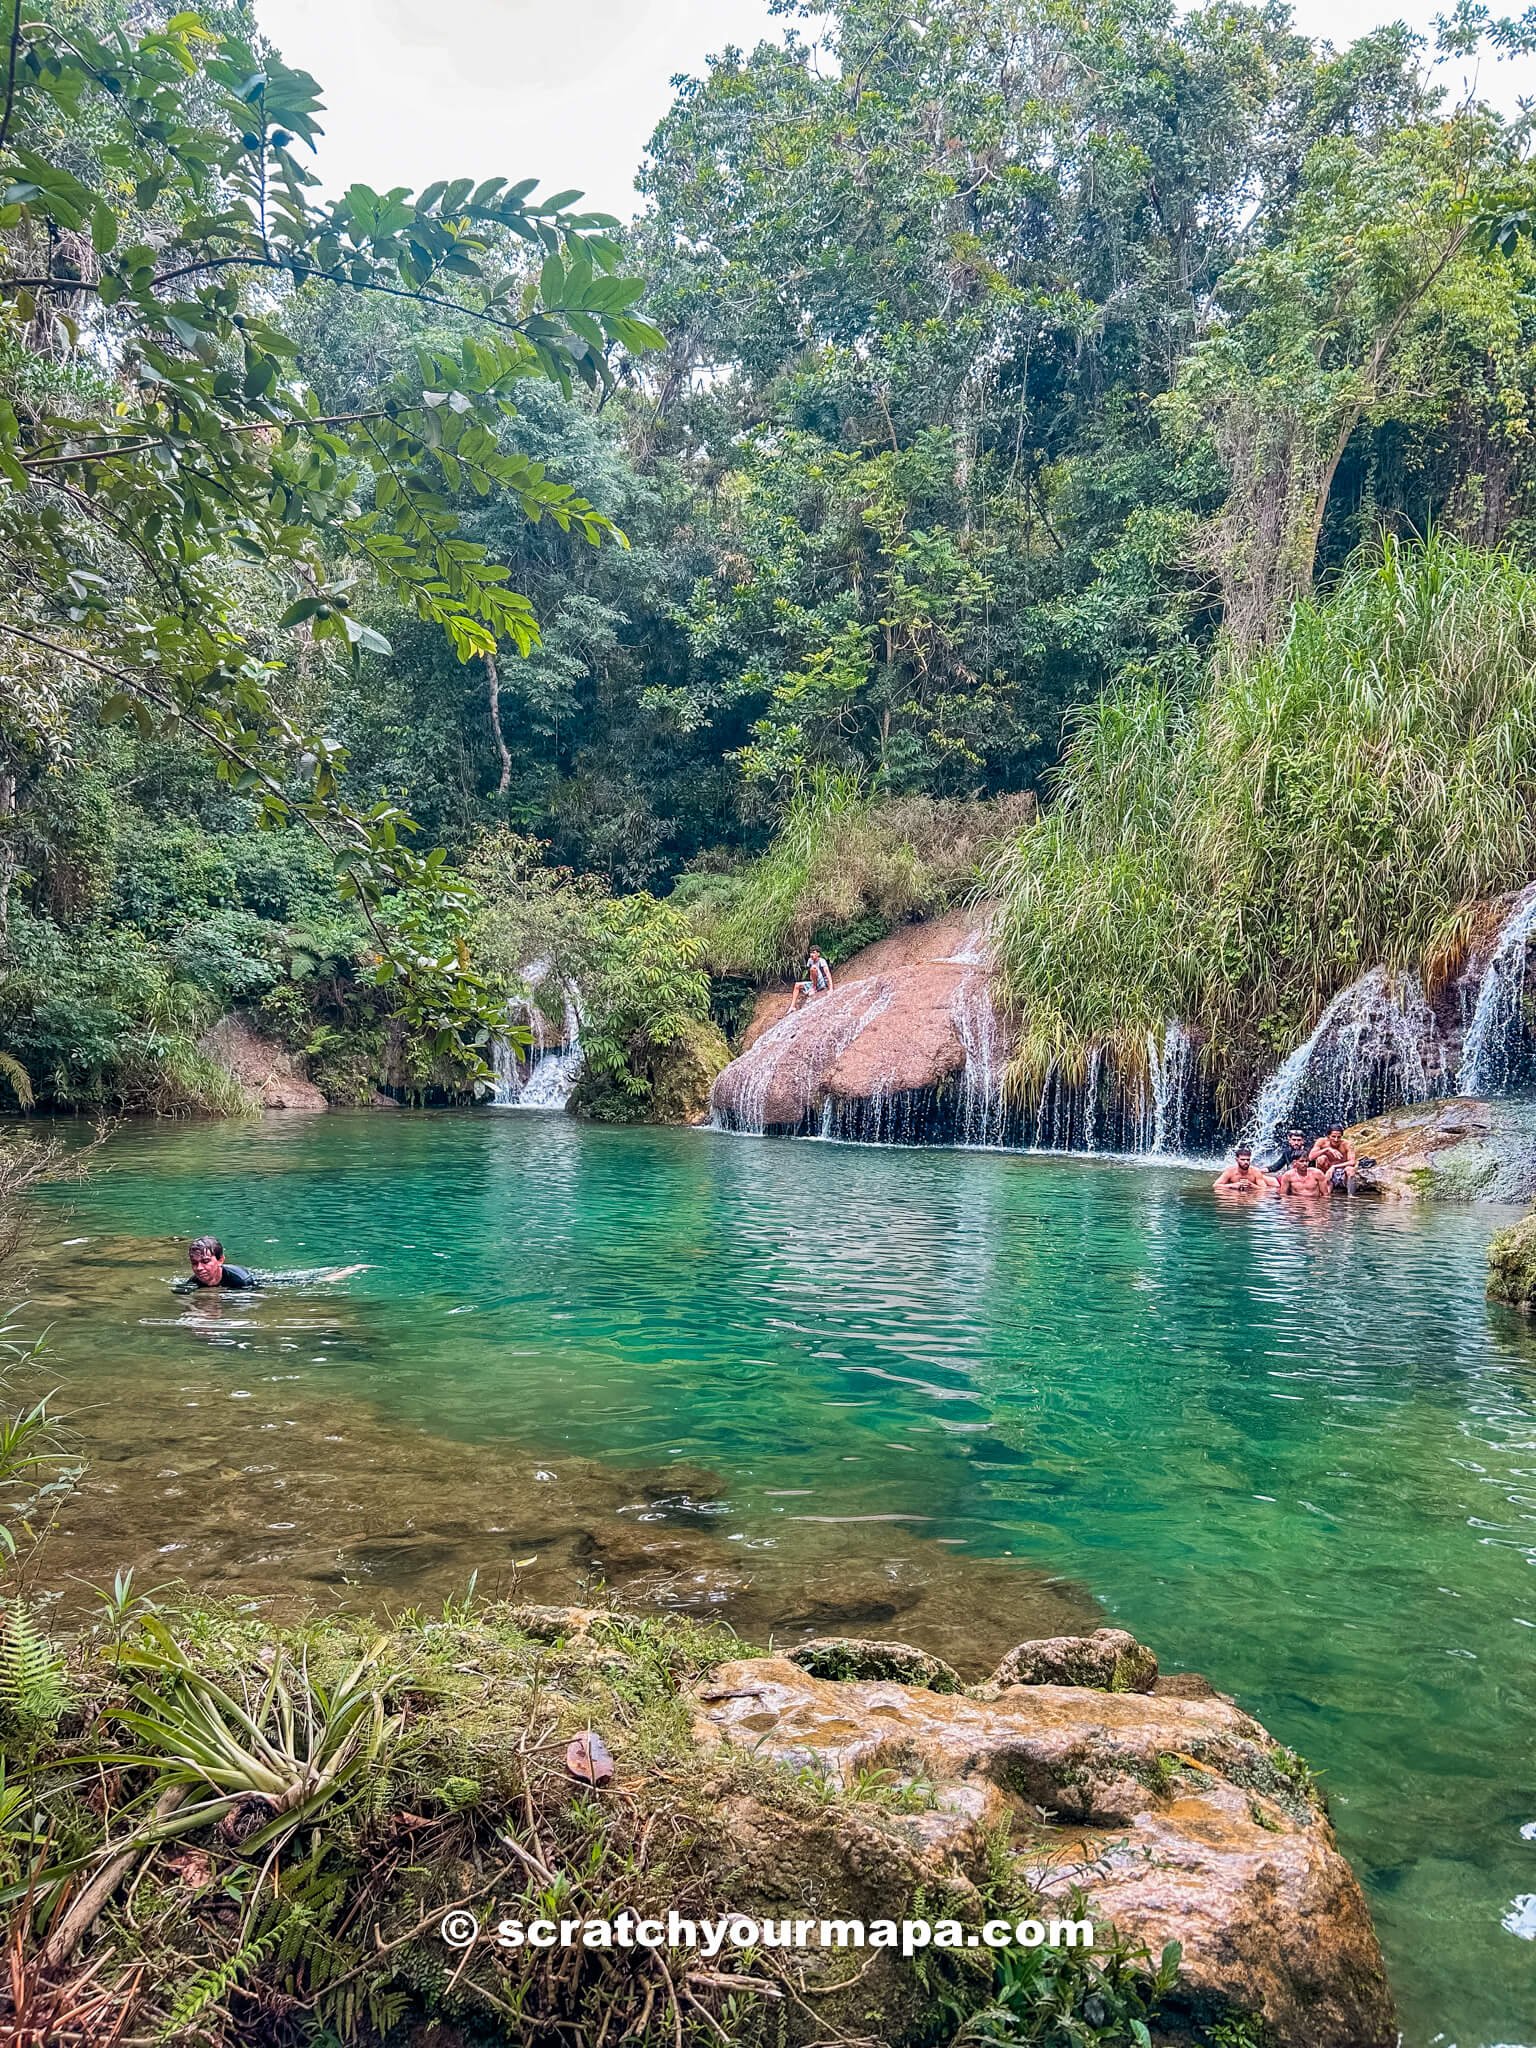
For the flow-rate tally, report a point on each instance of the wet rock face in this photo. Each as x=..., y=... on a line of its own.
x=858, y=1657
x=1438, y=1149
x=891, y=1025
x=1179, y=1818
x=1512, y=1265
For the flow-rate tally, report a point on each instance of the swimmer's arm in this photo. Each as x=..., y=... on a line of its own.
x=343, y=1272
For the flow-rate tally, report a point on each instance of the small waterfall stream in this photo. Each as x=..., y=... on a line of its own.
x=1490, y=1049
x=553, y=1070
x=1378, y=1044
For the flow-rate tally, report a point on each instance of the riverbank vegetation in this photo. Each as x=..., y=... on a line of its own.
x=1233, y=858
x=965, y=449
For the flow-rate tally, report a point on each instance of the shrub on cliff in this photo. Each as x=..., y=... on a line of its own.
x=844, y=868
x=1512, y=1264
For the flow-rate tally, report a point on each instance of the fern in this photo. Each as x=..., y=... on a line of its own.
x=32, y=1692
x=209, y=1987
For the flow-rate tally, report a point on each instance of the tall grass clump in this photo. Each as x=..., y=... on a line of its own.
x=845, y=866
x=1333, y=805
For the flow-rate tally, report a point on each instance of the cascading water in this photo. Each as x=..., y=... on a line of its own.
x=1171, y=1067
x=553, y=1071
x=778, y=1078
x=1490, y=1048
x=1378, y=1044
x=982, y=1113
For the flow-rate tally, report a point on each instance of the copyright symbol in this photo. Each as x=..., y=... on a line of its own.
x=459, y=1929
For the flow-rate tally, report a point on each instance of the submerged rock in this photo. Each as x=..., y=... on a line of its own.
x=1110, y=1660
x=1177, y=1819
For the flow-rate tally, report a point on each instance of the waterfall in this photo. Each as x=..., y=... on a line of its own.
x=553, y=1070
x=1172, y=1067
x=1487, y=1053
x=1377, y=1045
x=982, y=1112
x=792, y=1057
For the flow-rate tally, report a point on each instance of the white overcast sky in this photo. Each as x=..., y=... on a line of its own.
x=473, y=88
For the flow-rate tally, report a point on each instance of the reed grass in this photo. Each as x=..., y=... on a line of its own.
x=1342, y=802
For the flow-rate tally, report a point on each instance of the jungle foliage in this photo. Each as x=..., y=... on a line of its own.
x=998, y=359
x=1327, y=806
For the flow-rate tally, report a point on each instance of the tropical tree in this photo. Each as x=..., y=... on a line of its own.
x=179, y=514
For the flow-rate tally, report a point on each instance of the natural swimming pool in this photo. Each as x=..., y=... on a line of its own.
x=950, y=1396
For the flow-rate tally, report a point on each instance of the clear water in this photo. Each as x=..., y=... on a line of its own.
x=1290, y=1446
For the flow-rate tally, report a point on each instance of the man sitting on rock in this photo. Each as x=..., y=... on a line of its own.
x=1336, y=1156
x=1242, y=1177
x=818, y=979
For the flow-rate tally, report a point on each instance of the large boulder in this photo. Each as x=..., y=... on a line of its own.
x=1179, y=1819
x=1110, y=1660
x=1446, y=1150
x=275, y=1078
x=895, y=1022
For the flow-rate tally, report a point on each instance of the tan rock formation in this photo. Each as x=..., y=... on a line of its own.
x=1429, y=1148
x=1179, y=1818
x=890, y=1025
x=275, y=1077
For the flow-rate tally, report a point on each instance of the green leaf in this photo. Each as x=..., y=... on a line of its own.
x=305, y=608
x=103, y=228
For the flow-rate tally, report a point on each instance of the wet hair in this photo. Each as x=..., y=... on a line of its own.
x=1296, y=1132
x=1243, y=1152
x=205, y=1248
x=1332, y=1128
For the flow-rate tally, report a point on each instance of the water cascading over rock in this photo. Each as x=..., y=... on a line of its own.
x=1495, y=1053
x=1379, y=1043
x=545, y=1076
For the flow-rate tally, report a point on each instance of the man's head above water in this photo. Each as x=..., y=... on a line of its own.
x=205, y=1255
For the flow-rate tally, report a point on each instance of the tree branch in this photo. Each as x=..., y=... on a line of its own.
x=12, y=57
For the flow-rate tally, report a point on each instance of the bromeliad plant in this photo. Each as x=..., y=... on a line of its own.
x=168, y=475
x=293, y=1747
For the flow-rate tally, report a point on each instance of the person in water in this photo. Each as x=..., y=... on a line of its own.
x=1242, y=1177
x=210, y=1268
x=1337, y=1157
x=1295, y=1148
x=818, y=979
x=1301, y=1177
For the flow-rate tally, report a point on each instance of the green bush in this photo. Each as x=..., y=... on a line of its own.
x=1333, y=805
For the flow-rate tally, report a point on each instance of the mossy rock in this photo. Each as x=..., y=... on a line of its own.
x=855, y=1657
x=1512, y=1265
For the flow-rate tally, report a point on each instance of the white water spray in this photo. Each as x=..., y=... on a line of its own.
x=1499, y=1006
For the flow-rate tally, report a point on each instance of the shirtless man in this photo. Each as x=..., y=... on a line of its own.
x=1242, y=1177
x=1336, y=1156
x=1301, y=1177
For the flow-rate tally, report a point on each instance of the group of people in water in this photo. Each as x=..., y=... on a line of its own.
x=1322, y=1166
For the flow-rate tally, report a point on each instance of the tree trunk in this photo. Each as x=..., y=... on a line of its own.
x=493, y=691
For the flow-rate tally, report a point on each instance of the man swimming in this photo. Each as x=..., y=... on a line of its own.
x=205, y=1255
x=210, y=1268
x=1242, y=1177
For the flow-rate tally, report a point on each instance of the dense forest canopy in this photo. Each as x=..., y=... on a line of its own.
x=385, y=567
